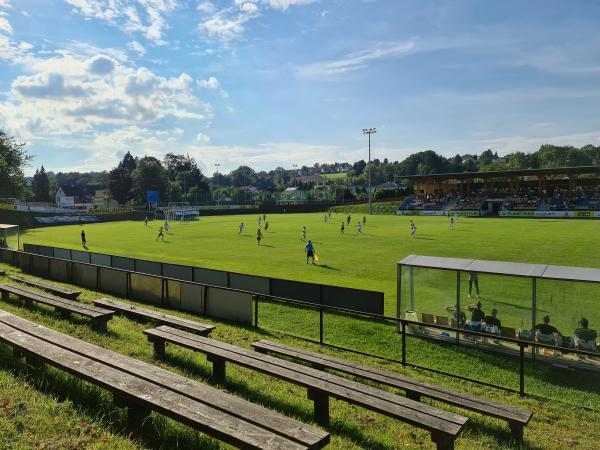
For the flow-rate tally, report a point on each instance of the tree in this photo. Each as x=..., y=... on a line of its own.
x=13, y=159
x=242, y=176
x=40, y=185
x=149, y=175
x=120, y=179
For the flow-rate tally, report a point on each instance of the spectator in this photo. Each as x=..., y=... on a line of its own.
x=492, y=323
x=546, y=333
x=585, y=339
x=477, y=317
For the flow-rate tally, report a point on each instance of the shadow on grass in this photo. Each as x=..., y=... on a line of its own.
x=325, y=266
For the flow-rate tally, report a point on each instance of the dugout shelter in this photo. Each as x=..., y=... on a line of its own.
x=9, y=236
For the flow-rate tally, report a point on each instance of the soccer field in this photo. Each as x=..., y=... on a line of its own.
x=368, y=261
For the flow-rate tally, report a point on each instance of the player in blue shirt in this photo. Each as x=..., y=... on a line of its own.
x=310, y=251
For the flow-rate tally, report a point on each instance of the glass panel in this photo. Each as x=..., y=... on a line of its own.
x=573, y=320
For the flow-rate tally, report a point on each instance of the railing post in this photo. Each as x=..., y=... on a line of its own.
x=521, y=369
x=403, y=344
x=321, y=324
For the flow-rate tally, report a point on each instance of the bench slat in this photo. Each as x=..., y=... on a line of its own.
x=473, y=403
x=60, y=303
x=273, y=421
x=411, y=412
x=60, y=291
x=156, y=316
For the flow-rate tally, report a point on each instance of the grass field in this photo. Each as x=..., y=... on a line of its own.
x=366, y=261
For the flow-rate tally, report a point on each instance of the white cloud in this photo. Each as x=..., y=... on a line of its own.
x=5, y=25
x=249, y=7
x=136, y=47
x=225, y=28
x=285, y=4
x=523, y=143
x=209, y=83
x=228, y=23
x=203, y=138
x=147, y=17
x=206, y=7
x=69, y=93
x=359, y=60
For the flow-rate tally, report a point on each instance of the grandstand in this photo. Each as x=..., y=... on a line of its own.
x=541, y=192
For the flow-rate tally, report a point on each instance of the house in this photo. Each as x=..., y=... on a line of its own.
x=69, y=196
x=103, y=199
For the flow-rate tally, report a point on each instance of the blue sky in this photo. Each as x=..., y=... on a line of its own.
x=281, y=82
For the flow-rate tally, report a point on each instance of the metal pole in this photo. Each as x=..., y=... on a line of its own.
x=533, y=314
x=256, y=311
x=412, y=289
x=457, y=310
x=399, y=294
x=370, y=210
x=522, y=370
x=403, y=344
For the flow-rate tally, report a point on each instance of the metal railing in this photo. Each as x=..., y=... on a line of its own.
x=401, y=326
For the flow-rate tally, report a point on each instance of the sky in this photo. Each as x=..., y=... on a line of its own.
x=270, y=83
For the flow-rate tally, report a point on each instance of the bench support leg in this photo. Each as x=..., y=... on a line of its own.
x=159, y=348
x=17, y=353
x=218, y=368
x=321, y=406
x=33, y=361
x=99, y=324
x=28, y=303
x=136, y=415
x=64, y=314
x=413, y=396
x=516, y=431
x=442, y=441
x=4, y=296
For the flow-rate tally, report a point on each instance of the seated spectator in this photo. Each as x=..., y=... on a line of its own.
x=477, y=316
x=585, y=339
x=492, y=323
x=546, y=333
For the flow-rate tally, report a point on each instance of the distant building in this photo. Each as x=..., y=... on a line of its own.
x=70, y=196
x=387, y=186
x=316, y=180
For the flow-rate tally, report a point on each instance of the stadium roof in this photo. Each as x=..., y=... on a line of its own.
x=549, y=272
x=7, y=227
x=508, y=173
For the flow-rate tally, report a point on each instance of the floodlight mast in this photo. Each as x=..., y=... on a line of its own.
x=369, y=132
x=217, y=165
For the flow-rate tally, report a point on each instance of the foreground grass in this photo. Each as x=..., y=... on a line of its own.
x=86, y=418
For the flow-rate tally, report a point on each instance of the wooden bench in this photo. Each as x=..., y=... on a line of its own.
x=155, y=316
x=443, y=426
x=99, y=316
x=142, y=388
x=516, y=418
x=56, y=290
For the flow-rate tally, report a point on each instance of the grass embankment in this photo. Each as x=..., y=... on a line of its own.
x=53, y=410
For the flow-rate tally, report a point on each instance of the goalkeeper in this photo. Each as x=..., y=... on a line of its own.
x=310, y=251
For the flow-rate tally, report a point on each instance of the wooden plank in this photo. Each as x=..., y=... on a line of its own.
x=414, y=413
x=312, y=437
x=202, y=417
x=156, y=316
x=57, y=302
x=58, y=290
x=469, y=402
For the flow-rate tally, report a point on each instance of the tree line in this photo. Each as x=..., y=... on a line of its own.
x=178, y=177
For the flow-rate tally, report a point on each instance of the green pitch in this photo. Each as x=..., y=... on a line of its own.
x=368, y=260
